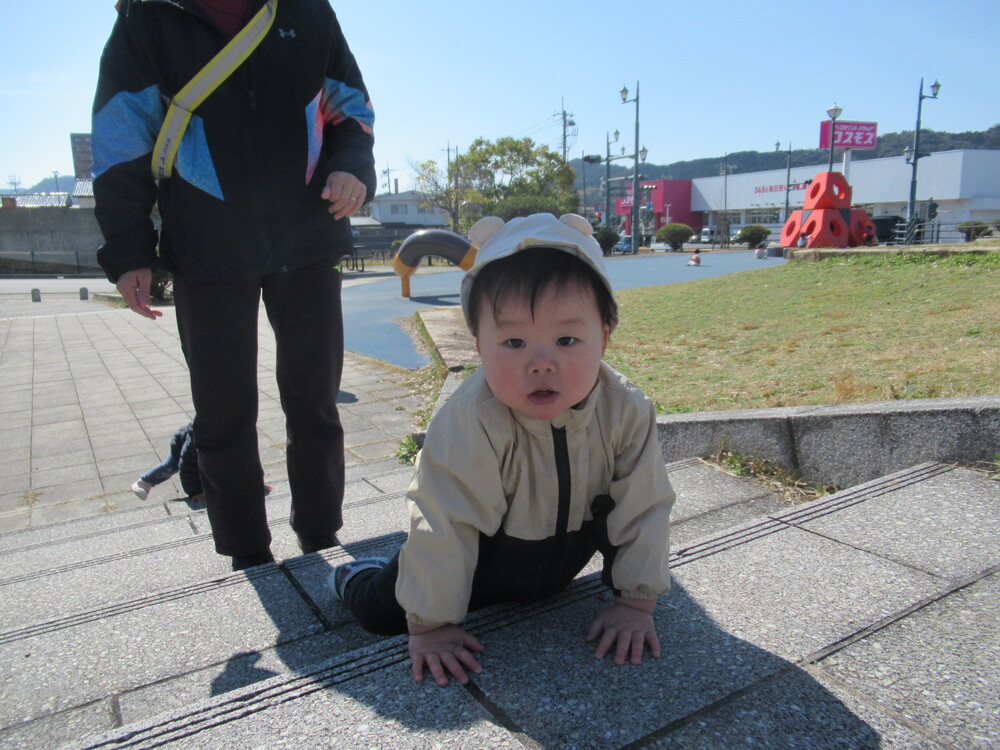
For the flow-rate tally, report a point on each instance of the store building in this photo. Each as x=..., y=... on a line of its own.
x=961, y=185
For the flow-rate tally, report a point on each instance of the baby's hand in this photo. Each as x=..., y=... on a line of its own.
x=623, y=623
x=444, y=647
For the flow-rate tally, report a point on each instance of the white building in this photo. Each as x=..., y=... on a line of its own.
x=965, y=185
x=407, y=209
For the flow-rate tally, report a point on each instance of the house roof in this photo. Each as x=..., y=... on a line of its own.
x=406, y=195
x=84, y=189
x=39, y=200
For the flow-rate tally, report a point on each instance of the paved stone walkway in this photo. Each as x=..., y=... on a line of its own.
x=90, y=396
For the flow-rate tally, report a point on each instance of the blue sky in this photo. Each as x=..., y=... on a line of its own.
x=714, y=76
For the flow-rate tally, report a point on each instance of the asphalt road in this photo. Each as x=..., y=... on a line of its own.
x=371, y=310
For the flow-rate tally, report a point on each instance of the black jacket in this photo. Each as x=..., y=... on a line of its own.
x=245, y=196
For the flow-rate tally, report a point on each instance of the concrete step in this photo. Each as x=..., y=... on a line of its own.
x=144, y=584
x=754, y=601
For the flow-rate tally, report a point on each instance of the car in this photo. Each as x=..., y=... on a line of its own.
x=659, y=247
x=709, y=235
x=624, y=245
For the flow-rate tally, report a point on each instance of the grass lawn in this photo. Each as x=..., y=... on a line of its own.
x=824, y=332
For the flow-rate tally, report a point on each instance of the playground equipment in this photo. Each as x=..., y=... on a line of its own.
x=431, y=242
x=826, y=218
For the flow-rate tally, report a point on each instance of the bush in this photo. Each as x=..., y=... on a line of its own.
x=973, y=229
x=753, y=235
x=674, y=235
x=607, y=239
x=162, y=281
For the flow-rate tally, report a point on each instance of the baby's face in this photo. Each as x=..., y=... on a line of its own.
x=542, y=365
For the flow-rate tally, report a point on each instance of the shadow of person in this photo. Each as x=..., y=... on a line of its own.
x=540, y=679
x=540, y=682
x=440, y=300
x=241, y=670
x=192, y=502
x=709, y=689
x=309, y=628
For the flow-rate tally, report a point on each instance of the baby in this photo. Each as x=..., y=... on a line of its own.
x=541, y=458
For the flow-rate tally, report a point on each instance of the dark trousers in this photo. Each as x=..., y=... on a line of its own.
x=508, y=570
x=218, y=330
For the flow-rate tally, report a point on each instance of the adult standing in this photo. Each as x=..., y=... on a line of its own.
x=269, y=169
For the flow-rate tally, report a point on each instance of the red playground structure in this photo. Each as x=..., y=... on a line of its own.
x=826, y=218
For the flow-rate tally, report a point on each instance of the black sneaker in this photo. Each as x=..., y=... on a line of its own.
x=242, y=562
x=315, y=542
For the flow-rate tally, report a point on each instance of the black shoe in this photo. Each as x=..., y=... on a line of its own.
x=315, y=542
x=242, y=562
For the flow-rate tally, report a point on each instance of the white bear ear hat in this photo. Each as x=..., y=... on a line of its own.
x=570, y=232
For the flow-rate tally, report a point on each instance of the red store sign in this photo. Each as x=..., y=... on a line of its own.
x=859, y=135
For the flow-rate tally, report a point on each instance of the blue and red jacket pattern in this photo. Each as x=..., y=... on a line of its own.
x=245, y=196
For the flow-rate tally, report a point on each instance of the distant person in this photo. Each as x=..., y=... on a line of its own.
x=254, y=205
x=803, y=240
x=542, y=457
x=183, y=459
x=760, y=252
x=695, y=258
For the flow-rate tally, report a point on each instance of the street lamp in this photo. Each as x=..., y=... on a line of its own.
x=608, y=158
x=607, y=178
x=913, y=155
x=788, y=174
x=635, y=172
x=725, y=169
x=834, y=112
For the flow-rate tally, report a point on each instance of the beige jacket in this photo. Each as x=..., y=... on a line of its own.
x=484, y=467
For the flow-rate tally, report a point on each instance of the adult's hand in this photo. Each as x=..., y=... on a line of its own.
x=346, y=194
x=134, y=288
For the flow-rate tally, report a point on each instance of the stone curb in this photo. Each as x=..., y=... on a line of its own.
x=845, y=444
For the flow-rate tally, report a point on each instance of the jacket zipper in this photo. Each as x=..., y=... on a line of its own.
x=562, y=479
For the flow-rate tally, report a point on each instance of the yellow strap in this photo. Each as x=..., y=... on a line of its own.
x=218, y=69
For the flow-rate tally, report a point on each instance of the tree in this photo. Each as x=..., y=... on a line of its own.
x=442, y=191
x=753, y=235
x=607, y=239
x=512, y=177
x=674, y=235
x=973, y=229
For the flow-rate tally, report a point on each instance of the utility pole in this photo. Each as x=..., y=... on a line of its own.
x=567, y=122
x=454, y=200
x=387, y=173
